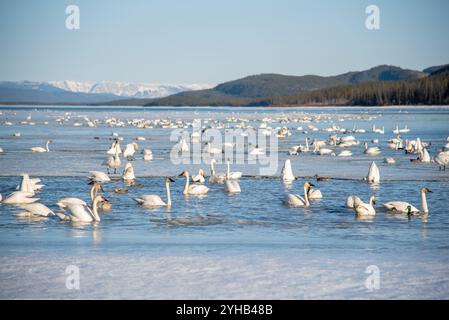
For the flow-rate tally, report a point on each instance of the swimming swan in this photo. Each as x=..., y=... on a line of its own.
x=372, y=151
x=40, y=149
x=295, y=200
x=365, y=209
x=81, y=213
x=99, y=176
x=351, y=201
x=373, y=174
x=155, y=200
x=35, y=210
x=62, y=203
x=194, y=189
x=216, y=177
x=402, y=207
x=199, y=177
x=128, y=173
x=287, y=172
x=232, y=175
x=314, y=194
x=20, y=197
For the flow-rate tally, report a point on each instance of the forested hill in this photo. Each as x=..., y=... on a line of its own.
x=383, y=85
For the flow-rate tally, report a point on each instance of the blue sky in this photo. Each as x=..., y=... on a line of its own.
x=211, y=41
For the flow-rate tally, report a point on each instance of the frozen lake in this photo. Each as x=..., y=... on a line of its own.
x=247, y=245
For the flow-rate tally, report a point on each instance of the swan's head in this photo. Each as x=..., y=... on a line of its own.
x=213, y=161
x=96, y=185
x=128, y=166
x=184, y=174
x=169, y=180
x=425, y=190
x=100, y=199
x=135, y=145
x=202, y=173
x=308, y=185
x=373, y=200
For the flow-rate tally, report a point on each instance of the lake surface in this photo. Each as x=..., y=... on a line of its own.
x=247, y=245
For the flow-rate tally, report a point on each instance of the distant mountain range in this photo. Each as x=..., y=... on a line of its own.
x=85, y=92
x=263, y=89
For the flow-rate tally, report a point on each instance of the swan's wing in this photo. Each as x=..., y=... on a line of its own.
x=38, y=209
x=80, y=212
x=150, y=199
x=399, y=206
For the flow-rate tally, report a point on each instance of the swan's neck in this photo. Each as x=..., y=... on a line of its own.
x=228, y=172
x=371, y=201
x=167, y=188
x=366, y=146
x=46, y=146
x=424, y=202
x=212, y=168
x=306, y=196
x=186, y=187
x=93, y=193
x=95, y=210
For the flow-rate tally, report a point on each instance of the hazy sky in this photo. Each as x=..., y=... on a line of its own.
x=212, y=41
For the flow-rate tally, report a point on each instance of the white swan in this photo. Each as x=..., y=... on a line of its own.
x=199, y=177
x=351, y=201
x=232, y=175
x=402, y=207
x=314, y=194
x=99, y=176
x=194, y=189
x=128, y=173
x=295, y=200
x=232, y=186
x=35, y=210
x=373, y=174
x=115, y=148
x=25, y=184
x=389, y=160
x=287, y=172
x=41, y=149
x=20, y=197
x=62, y=203
x=216, y=178
x=147, y=154
x=81, y=213
x=365, y=209
x=345, y=153
x=130, y=150
x=155, y=200
x=372, y=151
x=424, y=156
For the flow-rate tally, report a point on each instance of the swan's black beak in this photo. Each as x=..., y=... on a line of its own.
x=181, y=174
x=170, y=179
x=428, y=190
x=311, y=184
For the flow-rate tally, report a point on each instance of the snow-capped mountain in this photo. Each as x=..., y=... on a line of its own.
x=127, y=89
